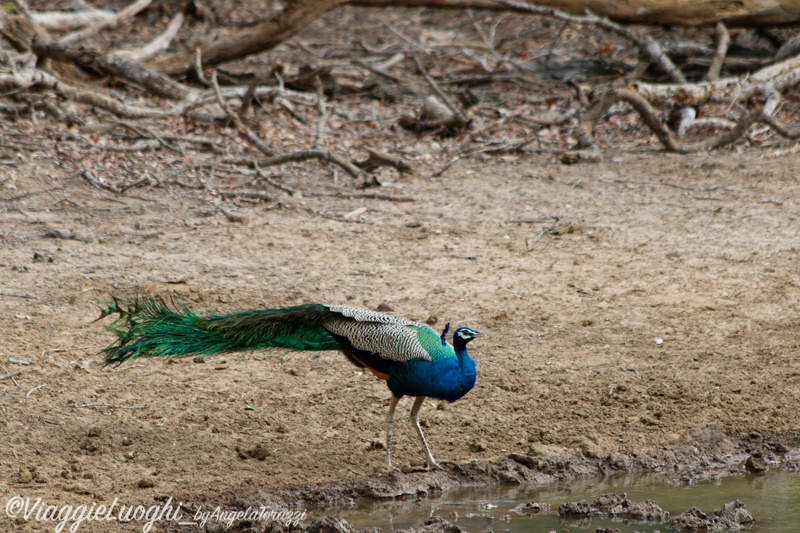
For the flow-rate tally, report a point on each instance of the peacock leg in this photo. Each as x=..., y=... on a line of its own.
x=429, y=461
x=389, y=417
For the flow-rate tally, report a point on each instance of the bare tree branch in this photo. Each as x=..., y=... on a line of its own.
x=646, y=44
x=278, y=159
x=666, y=136
x=155, y=46
x=723, y=42
x=121, y=17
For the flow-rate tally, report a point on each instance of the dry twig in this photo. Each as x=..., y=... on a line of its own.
x=28, y=395
x=461, y=120
x=31, y=77
x=325, y=111
x=723, y=42
x=278, y=159
x=111, y=405
x=241, y=127
x=334, y=194
x=161, y=42
x=666, y=136
x=147, y=132
x=106, y=24
x=645, y=44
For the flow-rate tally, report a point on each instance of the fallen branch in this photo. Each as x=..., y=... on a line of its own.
x=328, y=215
x=781, y=128
x=161, y=42
x=68, y=20
x=241, y=127
x=486, y=128
x=111, y=405
x=112, y=65
x=325, y=112
x=645, y=44
x=334, y=194
x=322, y=155
x=667, y=137
x=88, y=176
x=31, y=77
x=366, y=195
x=776, y=77
x=278, y=159
x=723, y=42
x=688, y=121
x=23, y=296
x=649, y=182
x=254, y=195
x=35, y=389
x=147, y=132
x=379, y=159
x=121, y=17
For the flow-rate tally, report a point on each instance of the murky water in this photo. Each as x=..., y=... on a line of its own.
x=773, y=500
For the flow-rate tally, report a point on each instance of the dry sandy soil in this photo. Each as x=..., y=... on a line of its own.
x=621, y=316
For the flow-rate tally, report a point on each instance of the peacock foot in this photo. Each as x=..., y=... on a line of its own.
x=387, y=467
x=432, y=465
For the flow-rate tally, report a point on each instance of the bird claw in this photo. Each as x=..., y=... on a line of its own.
x=390, y=467
x=432, y=465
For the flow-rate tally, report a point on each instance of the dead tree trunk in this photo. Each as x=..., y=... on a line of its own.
x=297, y=14
x=265, y=35
x=686, y=12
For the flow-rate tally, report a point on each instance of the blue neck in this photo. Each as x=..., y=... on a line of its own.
x=447, y=379
x=466, y=362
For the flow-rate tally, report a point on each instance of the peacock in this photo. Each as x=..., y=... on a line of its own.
x=411, y=357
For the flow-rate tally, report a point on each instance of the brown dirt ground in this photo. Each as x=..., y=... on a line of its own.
x=571, y=311
x=599, y=264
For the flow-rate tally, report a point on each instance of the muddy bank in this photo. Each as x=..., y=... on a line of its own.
x=731, y=516
x=704, y=454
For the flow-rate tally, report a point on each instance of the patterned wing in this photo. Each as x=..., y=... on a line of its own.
x=367, y=315
x=390, y=337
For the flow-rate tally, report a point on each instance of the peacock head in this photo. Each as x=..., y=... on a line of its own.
x=463, y=335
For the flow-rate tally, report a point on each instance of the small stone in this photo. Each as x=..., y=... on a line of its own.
x=532, y=508
x=478, y=446
x=260, y=452
x=23, y=476
x=755, y=465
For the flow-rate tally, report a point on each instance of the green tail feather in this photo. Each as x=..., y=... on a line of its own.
x=147, y=327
